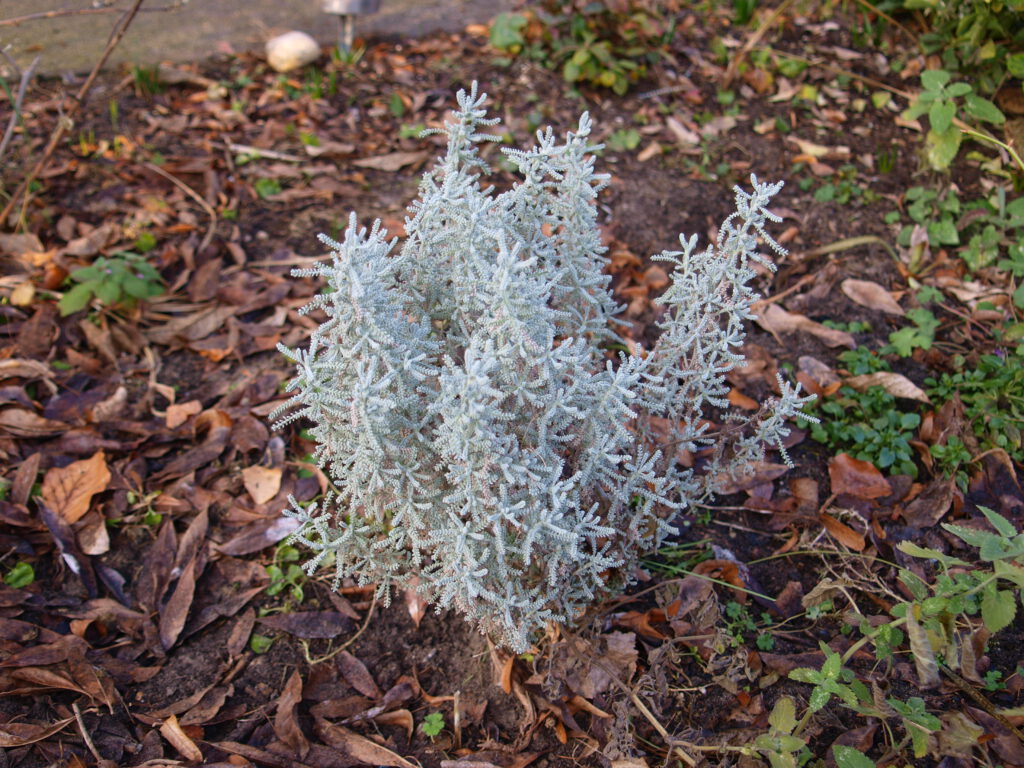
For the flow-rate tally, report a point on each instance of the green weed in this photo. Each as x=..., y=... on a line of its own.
x=869, y=426
x=601, y=43
x=943, y=100
x=992, y=392
x=286, y=574
x=123, y=279
x=266, y=187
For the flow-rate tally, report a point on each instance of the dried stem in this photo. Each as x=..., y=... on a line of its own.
x=25, y=79
x=66, y=120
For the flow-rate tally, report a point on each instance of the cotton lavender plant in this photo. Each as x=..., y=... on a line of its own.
x=484, y=447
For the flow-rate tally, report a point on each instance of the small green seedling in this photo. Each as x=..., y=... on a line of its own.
x=120, y=280
x=432, y=725
x=260, y=643
x=285, y=573
x=21, y=575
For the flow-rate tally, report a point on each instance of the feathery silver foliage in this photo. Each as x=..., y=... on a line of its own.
x=483, y=446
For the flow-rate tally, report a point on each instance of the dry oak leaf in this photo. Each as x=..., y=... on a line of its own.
x=68, y=491
x=872, y=296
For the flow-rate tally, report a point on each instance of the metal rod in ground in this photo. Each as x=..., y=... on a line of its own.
x=346, y=32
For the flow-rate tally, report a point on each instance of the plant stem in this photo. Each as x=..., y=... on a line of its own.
x=65, y=122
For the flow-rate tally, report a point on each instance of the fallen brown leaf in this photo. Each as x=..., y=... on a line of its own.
x=69, y=490
x=776, y=320
x=872, y=296
x=393, y=161
x=174, y=613
x=857, y=478
x=359, y=747
x=311, y=625
x=932, y=504
x=178, y=414
x=843, y=533
x=177, y=738
x=818, y=150
x=286, y=722
x=22, y=734
x=357, y=675
x=895, y=384
x=262, y=483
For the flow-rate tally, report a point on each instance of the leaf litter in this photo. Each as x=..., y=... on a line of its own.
x=164, y=616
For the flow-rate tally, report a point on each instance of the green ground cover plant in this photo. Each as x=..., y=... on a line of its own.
x=605, y=43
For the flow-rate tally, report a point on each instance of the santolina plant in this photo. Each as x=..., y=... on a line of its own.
x=485, y=448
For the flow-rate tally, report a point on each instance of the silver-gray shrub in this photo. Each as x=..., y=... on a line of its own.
x=484, y=448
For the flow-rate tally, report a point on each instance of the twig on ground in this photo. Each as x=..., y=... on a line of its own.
x=972, y=693
x=366, y=622
x=19, y=98
x=752, y=41
x=211, y=230
x=888, y=18
x=85, y=733
x=66, y=122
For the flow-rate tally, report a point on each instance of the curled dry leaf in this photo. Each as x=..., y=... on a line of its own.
x=22, y=734
x=401, y=718
x=69, y=490
x=682, y=134
x=872, y=296
x=776, y=320
x=22, y=422
x=414, y=601
x=286, y=722
x=177, y=738
x=180, y=413
x=811, y=149
x=93, y=538
x=843, y=533
x=895, y=384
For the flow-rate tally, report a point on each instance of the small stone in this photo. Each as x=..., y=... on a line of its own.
x=292, y=50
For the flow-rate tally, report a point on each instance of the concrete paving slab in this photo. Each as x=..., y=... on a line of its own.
x=199, y=28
